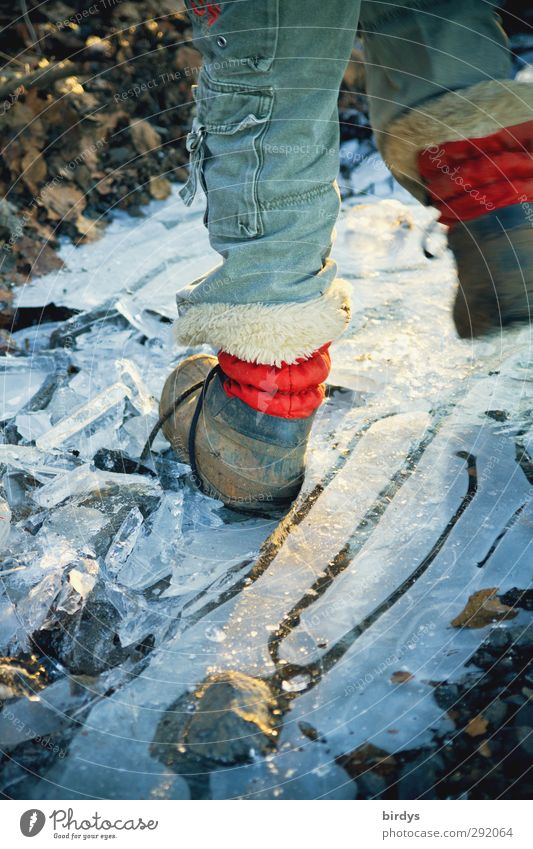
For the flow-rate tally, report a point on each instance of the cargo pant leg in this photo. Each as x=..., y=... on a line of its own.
x=264, y=146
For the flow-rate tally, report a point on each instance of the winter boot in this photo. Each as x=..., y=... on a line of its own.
x=244, y=427
x=470, y=154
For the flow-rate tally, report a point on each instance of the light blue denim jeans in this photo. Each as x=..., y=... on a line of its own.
x=264, y=144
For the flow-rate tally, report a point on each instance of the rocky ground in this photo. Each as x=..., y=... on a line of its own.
x=95, y=104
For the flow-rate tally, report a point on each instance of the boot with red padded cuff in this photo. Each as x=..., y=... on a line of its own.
x=244, y=427
x=469, y=153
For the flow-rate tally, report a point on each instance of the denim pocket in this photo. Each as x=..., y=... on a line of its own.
x=226, y=151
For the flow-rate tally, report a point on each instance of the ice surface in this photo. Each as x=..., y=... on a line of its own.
x=378, y=233
x=132, y=254
x=158, y=587
x=134, y=434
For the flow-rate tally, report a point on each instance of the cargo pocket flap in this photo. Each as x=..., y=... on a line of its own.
x=224, y=108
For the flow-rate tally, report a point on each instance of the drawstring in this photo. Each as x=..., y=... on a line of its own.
x=196, y=151
x=194, y=423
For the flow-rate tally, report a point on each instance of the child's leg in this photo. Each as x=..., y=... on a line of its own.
x=265, y=147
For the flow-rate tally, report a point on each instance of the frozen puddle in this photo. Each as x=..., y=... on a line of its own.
x=166, y=647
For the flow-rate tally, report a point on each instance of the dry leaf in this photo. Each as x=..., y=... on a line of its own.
x=12, y=155
x=34, y=169
x=46, y=261
x=308, y=730
x=477, y=726
x=104, y=184
x=36, y=101
x=401, y=677
x=159, y=188
x=74, y=169
x=484, y=749
x=481, y=609
x=63, y=202
x=43, y=229
x=144, y=136
x=106, y=123
x=367, y=757
x=89, y=229
x=20, y=117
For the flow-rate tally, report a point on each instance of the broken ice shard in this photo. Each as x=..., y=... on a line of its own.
x=40, y=465
x=32, y=425
x=34, y=609
x=5, y=519
x=124, y=541
x=139, y=395
x=158, y=548
x=83, y=416
x=86, y=480
x=81, y=580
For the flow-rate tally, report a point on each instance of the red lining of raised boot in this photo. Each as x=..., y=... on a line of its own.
x=472, y=177
x=288, y=391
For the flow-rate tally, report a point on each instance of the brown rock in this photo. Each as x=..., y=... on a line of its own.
x=229, y=715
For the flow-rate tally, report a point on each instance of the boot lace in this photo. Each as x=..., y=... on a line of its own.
x=203, y=384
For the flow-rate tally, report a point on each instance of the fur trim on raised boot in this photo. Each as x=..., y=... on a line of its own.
x=271, y=334
x=468, y=113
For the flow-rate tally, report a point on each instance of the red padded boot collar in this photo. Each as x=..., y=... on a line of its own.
x=471, y=177
x=289, y=391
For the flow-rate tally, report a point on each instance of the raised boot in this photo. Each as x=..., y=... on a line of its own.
x=470, y=154
x=239, y=451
